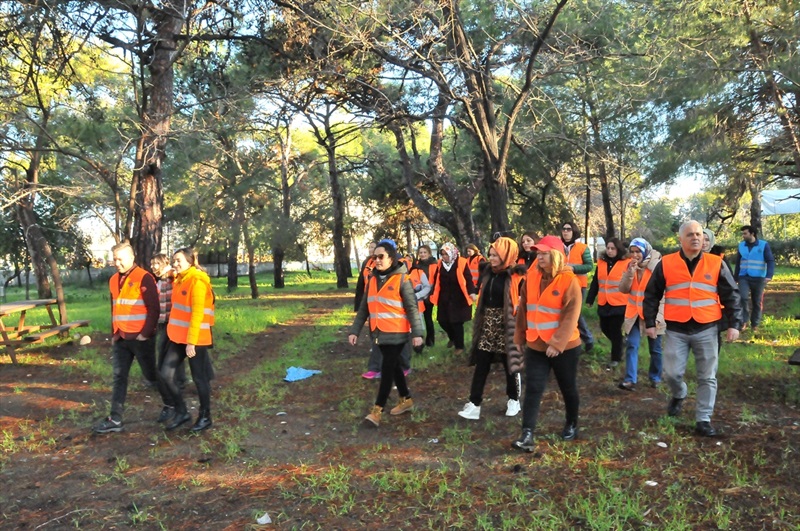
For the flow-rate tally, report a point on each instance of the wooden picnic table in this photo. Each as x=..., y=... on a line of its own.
x=24, y=334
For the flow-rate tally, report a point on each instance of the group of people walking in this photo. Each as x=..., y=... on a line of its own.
x=179, y=309
x=528, y=315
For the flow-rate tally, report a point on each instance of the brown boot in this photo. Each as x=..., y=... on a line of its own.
x=375, y=415
x=405, y=404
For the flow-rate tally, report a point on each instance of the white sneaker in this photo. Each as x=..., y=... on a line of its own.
x=512, y=408
x=470, y=411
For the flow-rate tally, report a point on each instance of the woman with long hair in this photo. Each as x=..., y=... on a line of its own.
x=611, y=303
x=547, y=333
x=189, y=333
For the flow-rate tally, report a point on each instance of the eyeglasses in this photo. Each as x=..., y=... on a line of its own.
x=566, y=228
x=379, y=256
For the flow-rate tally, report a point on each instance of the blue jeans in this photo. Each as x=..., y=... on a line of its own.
x=583, y=328
x=632, y=355
x=751, y=290
x=676, y=355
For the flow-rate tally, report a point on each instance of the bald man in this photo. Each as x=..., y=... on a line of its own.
x=697, y=289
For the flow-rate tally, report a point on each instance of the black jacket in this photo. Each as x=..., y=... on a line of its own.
x=727, y=290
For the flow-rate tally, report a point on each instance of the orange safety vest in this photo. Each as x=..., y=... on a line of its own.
x=386, y=312
x=369, y=265
x=608, y=282
x=636, y=296
x=416, y=279
x=575, y=257
x=544, y=309
x=513, y=290
x=691, y=296
x=128, y=312
x=459, y=265
x=181, y=314
x=474, y=263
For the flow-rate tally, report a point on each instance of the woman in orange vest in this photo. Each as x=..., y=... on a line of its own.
x=363, y=273
x=547, y=332
x=611, y=303
x=475, y=259
x=391, y=307
x=427, y=263
x=453, y=294
x=579, y=256
x=527, y=253
x=494, y=325
x=634, y=281
x=189, y=333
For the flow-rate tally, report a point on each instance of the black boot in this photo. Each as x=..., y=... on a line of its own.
x=203, y=421
x=524, y=443
x=181, y=417
x=570, y=431
x=167, y=412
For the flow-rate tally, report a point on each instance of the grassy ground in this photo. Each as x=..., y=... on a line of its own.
x=301, y=453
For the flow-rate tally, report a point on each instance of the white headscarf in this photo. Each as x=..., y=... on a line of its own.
x=452, y=255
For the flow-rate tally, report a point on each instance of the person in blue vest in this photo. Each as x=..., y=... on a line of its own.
x=755, y=266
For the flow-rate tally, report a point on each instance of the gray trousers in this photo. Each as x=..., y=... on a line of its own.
x=704, y=345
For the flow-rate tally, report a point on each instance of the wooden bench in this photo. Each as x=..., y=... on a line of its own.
x=39, y=336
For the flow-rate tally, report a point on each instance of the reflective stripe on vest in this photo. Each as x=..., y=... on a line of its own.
x=386, y=312
x=608, y=281
x=416, y=279
x=544, y=310
x=575, y=257
x=474, y=269
x=180, y=316
x=691, y=296
x=751, y=261
x=128, y=313
x=462, y=282
x=636, y=296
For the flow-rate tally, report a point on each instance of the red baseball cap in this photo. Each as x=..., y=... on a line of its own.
x=550, y=243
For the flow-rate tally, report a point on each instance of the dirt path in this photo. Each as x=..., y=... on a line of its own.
x=59, y=475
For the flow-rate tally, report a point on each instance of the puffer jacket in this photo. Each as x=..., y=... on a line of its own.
x=409, y=305
x=625, y=285
x=509, y=321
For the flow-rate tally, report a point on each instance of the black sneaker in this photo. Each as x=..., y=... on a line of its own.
x=167, y=412
x=525, y=442
x=108, y=425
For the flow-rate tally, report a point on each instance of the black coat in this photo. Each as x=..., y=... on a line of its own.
x=452, y=307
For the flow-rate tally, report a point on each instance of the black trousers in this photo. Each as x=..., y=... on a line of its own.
x=455, y=333
x=123, y=353
x=391, y=374
x=537, y=371
x=611, y=327
x=162, y=341
x=200, y=366
x=430, y=332
x=483, y=367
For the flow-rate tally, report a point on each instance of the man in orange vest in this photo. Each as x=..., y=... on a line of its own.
x=579, y=256
x=135, y=309
x=363, y=273
x=697, y=287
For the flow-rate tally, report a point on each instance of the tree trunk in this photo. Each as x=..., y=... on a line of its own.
x=755, y=187
x=251, y=260
x=588, y=199
x=233, y=246
x=605, y=193
x=341, y=262
x=277, y=273
x=156, y=113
